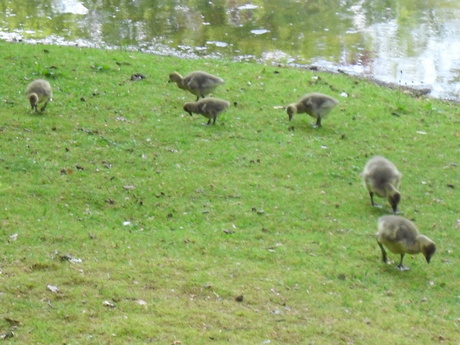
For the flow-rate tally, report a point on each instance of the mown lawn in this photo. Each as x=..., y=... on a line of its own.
x=126, y=221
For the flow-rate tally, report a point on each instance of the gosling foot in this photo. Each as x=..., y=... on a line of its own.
x=318, y=123
x=402, y=268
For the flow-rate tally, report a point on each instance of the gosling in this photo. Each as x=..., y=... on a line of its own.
x=316, y=105
x=208, y=107
x=39, y=91
x=381, y=177
x=401, y=236
x=198, y=83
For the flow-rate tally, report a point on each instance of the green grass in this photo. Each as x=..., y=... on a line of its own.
x=173, y=219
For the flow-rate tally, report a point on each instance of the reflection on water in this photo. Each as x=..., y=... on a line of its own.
x=70, y=6
x=408, y=42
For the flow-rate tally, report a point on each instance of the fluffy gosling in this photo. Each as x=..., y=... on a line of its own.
x=401, y=236
x=39, y=91
x=316, y=105
x=208, y=107
x=381, y=177
x=198, y=83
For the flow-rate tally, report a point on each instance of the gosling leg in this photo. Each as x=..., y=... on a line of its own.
x=318, y=122
x=371, y=194
x=44, y=106
x=401, y=266
x=384, y=253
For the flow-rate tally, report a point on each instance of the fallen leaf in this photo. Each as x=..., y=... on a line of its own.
x=141, y=302
x=67, y=171
x=171, y=150
x=239, y=298
x=12, y=322
x=137, y=76
x=70, y=258
x=108, y=304
x=52, y=288
x=7, y=335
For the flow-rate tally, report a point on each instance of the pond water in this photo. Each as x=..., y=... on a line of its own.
x=407, y=42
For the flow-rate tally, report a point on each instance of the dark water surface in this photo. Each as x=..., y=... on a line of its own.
x=413, y=43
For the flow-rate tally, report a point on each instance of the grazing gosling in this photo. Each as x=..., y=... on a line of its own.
x=208, y=107
x=316, y=105
x=401, y=236
x=381, y=177
x=198, y=83
x=39, y=91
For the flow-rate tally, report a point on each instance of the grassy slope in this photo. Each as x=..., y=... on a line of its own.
x=245, y=207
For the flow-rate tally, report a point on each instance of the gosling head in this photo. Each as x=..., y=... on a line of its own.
x=428, y=248
x=394, y=200
x=188, y=108
x=291, y=110
x=174, y=78
x=33, y=99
